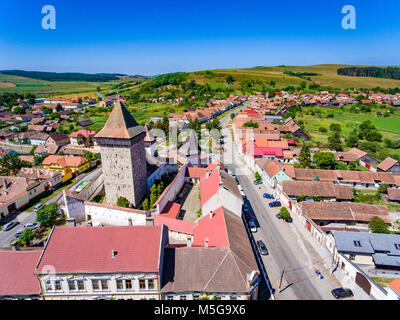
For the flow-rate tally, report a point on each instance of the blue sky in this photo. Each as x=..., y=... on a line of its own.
x=153, y=37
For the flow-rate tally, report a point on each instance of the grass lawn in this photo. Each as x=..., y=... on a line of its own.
x=383, y=282
x=48, y=196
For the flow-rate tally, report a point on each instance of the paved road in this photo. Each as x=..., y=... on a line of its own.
x=28, y=217
x=286, y=250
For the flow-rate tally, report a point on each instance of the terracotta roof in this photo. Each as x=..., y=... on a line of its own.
x=47, y=148
x=84, y=133
x=222, y=267
x=394, y=194
x=386, y=164
x=397, y=180
x=395, y=285
x=272, y=169
x=173, y=224
x=43, y=174
x=171, y=210
x=345, y=156
x=342, y=211
x=120, y=124
x=359, y=153
x=17, y=273
x=317, y=189
x=89, y=250
x=64, y=161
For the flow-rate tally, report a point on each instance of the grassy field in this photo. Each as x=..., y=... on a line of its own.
x=327, y=77
x=10, y=83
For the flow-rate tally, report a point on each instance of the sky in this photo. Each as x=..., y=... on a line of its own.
x=154, y=37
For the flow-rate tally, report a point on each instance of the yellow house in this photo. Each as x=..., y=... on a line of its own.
x=70, y=166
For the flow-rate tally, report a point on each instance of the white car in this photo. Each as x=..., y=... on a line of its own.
x=32, y=225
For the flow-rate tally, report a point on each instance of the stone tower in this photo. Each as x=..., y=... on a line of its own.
x=123, y=157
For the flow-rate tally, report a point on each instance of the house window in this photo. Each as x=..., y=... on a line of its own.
x=75, y=285
x=233, y=298
x=170, y=297
x=124, y=284
x=142, y=284
x=397, y=246
x=150, y=284
x=357, y=243
x=100, y=284
x=196, y=297
x=48, y=285
x=57, y=285
x=81, y=285
x=120, y=284
x=183, y=298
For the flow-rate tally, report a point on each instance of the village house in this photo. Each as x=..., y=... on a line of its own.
x=85, y=134
x=59, y=139
x=69, y=166
x=17, y=280
x=121, y=275
x=390, y=165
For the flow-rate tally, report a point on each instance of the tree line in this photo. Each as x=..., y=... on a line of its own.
x=375, y=72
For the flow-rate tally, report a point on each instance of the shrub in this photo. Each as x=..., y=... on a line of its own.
x=284, y=212
x=377, y=225
x=122, y=202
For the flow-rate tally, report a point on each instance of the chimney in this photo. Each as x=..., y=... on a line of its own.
x=5, y=184
x=149, y=221
x=189, y=241
x=210, y=215
x=206, y=243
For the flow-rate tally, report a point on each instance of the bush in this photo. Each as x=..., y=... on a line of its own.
x=122, y=202
x=377, y=225
x=26, y=237
x=284, y=212
x=47, y=216
x=257, y=176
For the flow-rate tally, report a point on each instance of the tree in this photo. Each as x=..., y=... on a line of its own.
x=47, y=110
x=284, y=212
x=377, y=225
x=59, y=107
x=334, y=142
x=233, y=115
x=26, y=237
x=19, y=110
x=250, y=124
x=122, y=202
x=335, y=127
x=47, y=216
x=10, y=164
x=153, y=195
x=352, y=139
x=325, y=160
x=305, y=156
x=257, y=176
x=80, y=139
x=146, y=204
x=229, y=79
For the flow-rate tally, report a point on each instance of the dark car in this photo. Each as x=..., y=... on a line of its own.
x=275, y=204
x=10, y=225
x=256, y=182
x=341, y=293
x=268, y=196
x=261, y=246
x=289, y=220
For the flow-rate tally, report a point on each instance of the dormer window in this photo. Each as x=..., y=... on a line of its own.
x=357, y=243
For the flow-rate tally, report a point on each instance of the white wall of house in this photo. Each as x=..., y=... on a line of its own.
x=88, y=293
x=223, y=198
x=113, y=216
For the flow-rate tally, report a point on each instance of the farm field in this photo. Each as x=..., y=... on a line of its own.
x=327, y=77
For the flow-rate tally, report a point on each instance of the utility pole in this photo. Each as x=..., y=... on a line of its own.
x=280, y=283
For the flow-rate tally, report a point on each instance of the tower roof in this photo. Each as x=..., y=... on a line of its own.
x=120, y=124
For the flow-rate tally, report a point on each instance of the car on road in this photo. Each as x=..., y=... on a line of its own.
x=341, y=293
x=10, y=225
x=289, y=220
x=268, y=196
x=38, y=207
x=278, y=216
x=256, y=182
x=252, y=225
x=262, y=247
x=32, y=226
x=275, y=204
x=19, y=233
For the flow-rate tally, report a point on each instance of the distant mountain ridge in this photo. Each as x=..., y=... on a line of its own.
x=67, y=76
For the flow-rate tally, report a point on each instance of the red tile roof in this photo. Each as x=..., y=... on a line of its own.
x=17, y=273
x=395, y=285
x=173, y=224
x=171, y=210
x=89, y=250
x=209, y=186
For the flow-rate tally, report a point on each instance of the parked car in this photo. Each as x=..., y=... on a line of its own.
x=252, y=225
x=278, y=216
x=261, y=246
x=38, y=207
x=289, y=220
x=341, y=293
x=10, y=225
x=19, y=233
x=256, y=182
x=275, y=204
x=32, y=225
x=268, y=196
